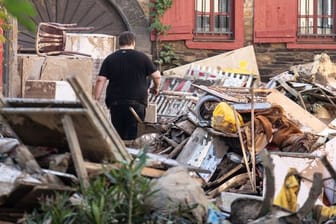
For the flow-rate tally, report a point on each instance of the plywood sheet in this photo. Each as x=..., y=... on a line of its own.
x=56, y=69
x=241, y=61
x=40, y=124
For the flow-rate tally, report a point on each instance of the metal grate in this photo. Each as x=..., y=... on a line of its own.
x=213, y=17
x=316, y=18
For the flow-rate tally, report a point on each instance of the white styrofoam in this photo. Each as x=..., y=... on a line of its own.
x=64, y=91
x=96, y=45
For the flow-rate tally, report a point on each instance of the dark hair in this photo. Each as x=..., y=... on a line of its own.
x=126, y=38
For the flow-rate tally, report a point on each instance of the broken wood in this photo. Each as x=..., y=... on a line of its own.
x=177, y=149
x=222, y=96
x=96, y=113
x=135, y=115
x=170, y=141
x=233, y=182
x=224, y=177
x=242, y=145
x=253, y=159
x=97, y=168
x=75, y=150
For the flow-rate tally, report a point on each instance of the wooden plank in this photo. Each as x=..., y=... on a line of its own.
x=26, y=194
x=97, y=168
x=96, y=113
x=75, y=150
x=40, y=89
x=13, y=79
x=296, y=112
x=222, y=96
x=46, y=129
x=51, y=111
x=241, y=61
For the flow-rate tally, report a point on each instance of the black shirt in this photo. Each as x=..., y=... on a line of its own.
x=127, y=71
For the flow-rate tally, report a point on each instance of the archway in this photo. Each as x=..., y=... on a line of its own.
x=107, y=16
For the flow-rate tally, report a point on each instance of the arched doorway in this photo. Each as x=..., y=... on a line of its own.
x=106, y=16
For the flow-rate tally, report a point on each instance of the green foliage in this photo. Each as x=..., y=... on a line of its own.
x=23, y=10
x=97, y=202
x=130, y=191
x=167, y=55
x=158, y=8
x=54, y=210
x=116, y=197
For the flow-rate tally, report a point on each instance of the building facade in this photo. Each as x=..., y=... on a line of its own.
x=283, y=32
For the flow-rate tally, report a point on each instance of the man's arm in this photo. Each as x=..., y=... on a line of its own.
x=156, y=77
x=100, y=83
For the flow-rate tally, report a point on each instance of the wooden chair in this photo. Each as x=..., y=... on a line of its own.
x=51, y=38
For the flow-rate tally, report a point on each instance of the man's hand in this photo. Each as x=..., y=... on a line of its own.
x=155, y=91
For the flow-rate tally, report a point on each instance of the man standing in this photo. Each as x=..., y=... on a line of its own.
x=127, y=70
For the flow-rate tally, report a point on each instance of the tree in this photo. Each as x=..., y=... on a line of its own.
x=22, y=10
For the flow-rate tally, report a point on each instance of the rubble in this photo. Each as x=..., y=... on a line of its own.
x=238, y=157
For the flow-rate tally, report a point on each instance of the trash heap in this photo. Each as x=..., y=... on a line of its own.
x=244, y=151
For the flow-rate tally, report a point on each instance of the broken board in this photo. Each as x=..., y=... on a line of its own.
x=39, y=123
x=242, y=61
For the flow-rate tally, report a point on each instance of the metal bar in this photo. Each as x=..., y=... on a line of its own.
x=42, y=110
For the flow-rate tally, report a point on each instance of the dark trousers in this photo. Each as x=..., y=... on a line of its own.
x=124, y=121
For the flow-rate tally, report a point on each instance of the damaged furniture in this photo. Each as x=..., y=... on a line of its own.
x=78, y=127
x=51, y=38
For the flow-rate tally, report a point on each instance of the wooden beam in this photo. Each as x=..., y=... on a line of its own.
x=75, y=150
x=25, y=111
x=97, y=168
x=96, y=113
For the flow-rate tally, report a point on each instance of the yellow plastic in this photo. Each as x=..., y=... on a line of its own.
x=287, y=196
x=223, y=118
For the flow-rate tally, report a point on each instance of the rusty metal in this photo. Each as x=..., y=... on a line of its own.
x=222, y=96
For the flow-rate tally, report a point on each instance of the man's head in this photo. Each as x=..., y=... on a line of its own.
x=126, y=38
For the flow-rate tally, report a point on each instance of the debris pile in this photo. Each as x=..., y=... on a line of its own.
x=244, y=151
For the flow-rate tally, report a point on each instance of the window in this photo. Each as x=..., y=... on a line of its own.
x=206, y=24
x=300, y=24
x=316, y=18
x=213, y=17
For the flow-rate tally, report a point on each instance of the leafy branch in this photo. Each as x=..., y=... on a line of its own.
x=158, y=8
x=23, y=10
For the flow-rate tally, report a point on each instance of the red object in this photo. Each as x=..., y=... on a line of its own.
x=275, y=21
x=181, y=18
x=1, y=61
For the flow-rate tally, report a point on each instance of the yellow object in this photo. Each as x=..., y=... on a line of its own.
x=223, y=118
x=328, y=211
x=287, y=196
x=322, y=213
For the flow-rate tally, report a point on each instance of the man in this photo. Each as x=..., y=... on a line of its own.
x=127, y=70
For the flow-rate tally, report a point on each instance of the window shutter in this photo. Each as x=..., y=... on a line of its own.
x=275, y=21
x=180, y=17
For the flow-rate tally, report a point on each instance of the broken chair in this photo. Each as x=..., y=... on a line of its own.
x=51, y=38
